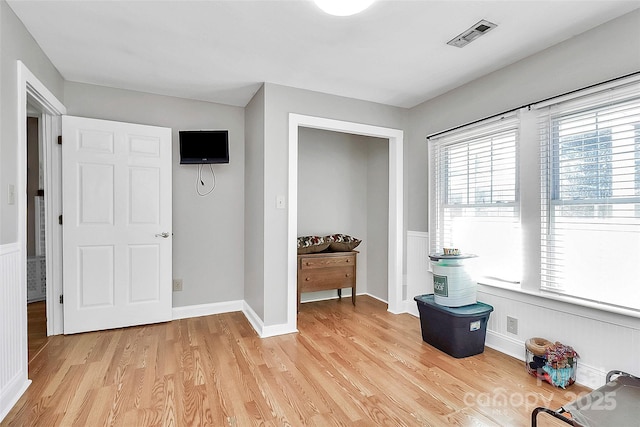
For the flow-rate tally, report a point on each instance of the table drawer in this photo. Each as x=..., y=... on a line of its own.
x=325, y=262
x=331, y=278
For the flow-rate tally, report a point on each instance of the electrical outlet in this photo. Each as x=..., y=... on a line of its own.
x=177, y=285
x=512, y=325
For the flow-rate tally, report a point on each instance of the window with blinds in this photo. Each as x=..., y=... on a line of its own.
x=474, y=195
x=590, y=237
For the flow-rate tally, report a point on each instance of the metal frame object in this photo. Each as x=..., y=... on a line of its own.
x=617, y=403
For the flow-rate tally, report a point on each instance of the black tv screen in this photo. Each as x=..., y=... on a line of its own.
x=204, y=146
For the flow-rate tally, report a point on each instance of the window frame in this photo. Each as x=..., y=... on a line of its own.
x=598, y=103
x=439, y=149
x=533, y=178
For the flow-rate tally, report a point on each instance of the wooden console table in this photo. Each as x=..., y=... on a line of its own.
x=327, y=270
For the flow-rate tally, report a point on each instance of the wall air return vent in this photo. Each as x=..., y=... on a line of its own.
x=472, y=33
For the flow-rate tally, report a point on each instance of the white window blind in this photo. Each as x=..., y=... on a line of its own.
x=590, y=164
x=474, y=195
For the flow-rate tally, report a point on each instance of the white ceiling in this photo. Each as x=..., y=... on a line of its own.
x=221, y=51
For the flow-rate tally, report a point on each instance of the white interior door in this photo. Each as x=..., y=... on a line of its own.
x=116, y=180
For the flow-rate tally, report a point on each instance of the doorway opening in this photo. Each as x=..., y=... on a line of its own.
x=395, y=216
x=343, y=188
x=36, y=233
x=40, y=171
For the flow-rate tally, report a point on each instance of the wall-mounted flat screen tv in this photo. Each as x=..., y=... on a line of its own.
x=204, y=146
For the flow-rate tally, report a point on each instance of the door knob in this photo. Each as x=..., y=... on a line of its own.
x=164, y=235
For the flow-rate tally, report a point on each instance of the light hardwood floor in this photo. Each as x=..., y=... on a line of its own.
x=36, y=327
x=348, y=366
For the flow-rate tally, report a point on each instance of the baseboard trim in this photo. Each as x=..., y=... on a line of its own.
x=345, y=294
x=11, y=394
x=229, y=307
x=275, y=330
x=206, y=309
x=262, y=330
x=505, y=344
x=374, y=297
x=254, y=320
x=589, y=376
x=412, y=308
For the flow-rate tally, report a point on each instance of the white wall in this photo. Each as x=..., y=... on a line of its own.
x=339, y=179
x=589, y=58
x=208, y=240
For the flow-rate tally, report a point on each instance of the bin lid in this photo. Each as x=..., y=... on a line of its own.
x=477, y=309
x=438, y=257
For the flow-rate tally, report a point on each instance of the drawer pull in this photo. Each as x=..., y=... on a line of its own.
x=307, y=279
x=347, y=275
x=347, y=260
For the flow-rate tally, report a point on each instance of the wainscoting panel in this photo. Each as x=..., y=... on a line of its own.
x=419, y=280
x=13, y=328
x=602, y=345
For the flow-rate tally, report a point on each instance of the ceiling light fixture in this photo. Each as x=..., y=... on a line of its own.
x=343, y=7
x=472, y=33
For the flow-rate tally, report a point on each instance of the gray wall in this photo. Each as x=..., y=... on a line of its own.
x=208, y=240
x=16, y=43
x=377, y=217
x=332, y=184
x=279, y=102
x=254, y=242
x=608, y=51
x=342, y=184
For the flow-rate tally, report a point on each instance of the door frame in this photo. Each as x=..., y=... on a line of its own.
x=396, y=208
x=31, y=88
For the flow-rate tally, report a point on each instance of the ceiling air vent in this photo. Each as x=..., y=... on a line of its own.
x=472, y=33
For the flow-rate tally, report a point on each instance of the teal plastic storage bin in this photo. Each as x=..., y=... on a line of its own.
x=458, y=331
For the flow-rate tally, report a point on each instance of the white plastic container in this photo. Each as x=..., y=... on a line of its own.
x=453, y=284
